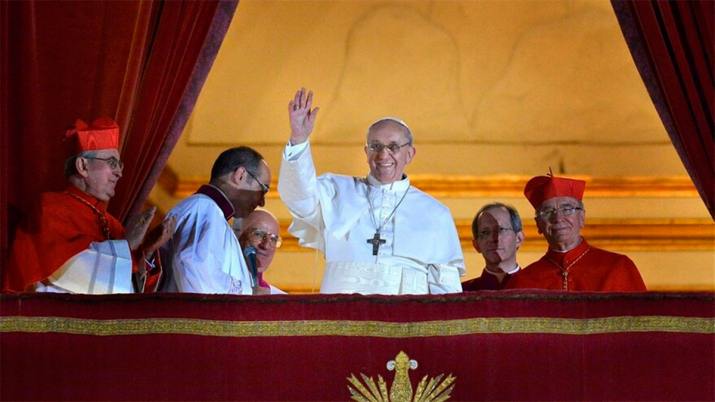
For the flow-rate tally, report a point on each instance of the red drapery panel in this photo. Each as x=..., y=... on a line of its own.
x=497, y=346
x=142, y=62
x=672, y=46
x=4, y=130
x=183, y=44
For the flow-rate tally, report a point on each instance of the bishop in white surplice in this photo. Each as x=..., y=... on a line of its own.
x=204, y=255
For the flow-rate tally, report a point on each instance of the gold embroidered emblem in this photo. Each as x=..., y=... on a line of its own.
x=428, y=390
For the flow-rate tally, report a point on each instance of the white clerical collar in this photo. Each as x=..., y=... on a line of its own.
x=503, y=271
x=399, y=185
x=580, y=240
x=513, y=270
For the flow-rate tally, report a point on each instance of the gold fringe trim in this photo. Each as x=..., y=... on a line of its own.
x=379, y=329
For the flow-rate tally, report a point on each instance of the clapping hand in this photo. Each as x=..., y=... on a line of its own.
x=159, y=235
x=302, y=118
x=137, y=228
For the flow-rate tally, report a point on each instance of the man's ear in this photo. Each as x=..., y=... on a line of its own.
x=238, y=175
x=520, y=238
x=411, y=153
x=476, y=245
x=80, y=165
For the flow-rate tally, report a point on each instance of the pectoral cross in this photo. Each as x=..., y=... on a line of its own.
x=565, y=274
x=376, y=241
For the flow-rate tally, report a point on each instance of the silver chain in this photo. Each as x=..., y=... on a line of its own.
x=372, y=210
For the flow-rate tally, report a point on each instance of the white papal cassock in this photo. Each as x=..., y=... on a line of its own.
x=331, y=213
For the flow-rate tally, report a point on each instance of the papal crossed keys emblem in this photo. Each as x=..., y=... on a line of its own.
x=428, y=390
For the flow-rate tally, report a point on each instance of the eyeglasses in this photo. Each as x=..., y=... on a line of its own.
x=113, y=162
x=264, y=187
x=392, y=147
x=566, y=210
x=259, y=236
x=486, y=233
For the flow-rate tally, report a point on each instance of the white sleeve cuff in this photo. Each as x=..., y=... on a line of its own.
x=443, y=279
x=293, y=152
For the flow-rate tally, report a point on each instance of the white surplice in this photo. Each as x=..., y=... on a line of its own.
x=331, y=213
x=203, y=255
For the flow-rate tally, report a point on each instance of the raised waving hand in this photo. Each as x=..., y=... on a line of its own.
x=302, y=118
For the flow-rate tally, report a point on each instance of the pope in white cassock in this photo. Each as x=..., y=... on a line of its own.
x=379, y=234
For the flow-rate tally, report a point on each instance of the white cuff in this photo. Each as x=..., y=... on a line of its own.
x=293, y=152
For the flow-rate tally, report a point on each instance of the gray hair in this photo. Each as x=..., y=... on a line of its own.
x=513, y=216
x=380, y=123
x=71, y=168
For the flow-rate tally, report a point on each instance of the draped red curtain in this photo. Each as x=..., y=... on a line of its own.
x=672, y=45
x=141, y=62
x=183, y=44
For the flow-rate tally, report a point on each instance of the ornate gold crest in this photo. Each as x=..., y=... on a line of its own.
x=428, y=390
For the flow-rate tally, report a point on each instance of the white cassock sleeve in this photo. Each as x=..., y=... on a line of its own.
x=103, y=268
x=298, y=189
x=443, y=278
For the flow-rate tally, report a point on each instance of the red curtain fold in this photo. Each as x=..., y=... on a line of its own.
x=4, y=130
x=672, y=46
x=142, y=62
x=185, y=42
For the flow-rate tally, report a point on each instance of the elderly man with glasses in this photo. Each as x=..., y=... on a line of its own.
x=571, y=263
x=261, y=232
x=204, y=255
x=379, y=234
x=497, y=235
x=72, y=244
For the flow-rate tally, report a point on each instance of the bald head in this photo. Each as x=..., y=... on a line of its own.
x=260, y=218
x=257, y=230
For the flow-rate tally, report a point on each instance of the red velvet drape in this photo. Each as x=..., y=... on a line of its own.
x=184, y=41
x=500, y=346
x=672, y=46
x=138, y=61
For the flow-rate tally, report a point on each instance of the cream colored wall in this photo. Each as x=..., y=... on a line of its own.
x=678, y=270
x=539, y=82
x=488, y=87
